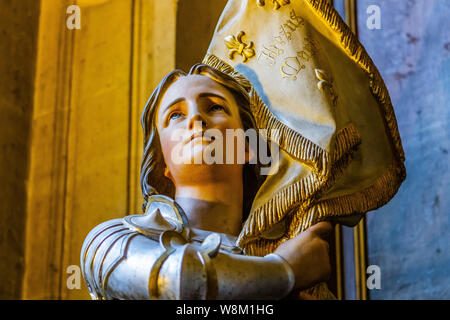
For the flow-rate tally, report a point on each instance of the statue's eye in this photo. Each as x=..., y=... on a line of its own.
x=216, y=108
x=175, y=115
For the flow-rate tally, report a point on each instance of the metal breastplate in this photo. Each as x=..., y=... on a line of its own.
x=157, y=256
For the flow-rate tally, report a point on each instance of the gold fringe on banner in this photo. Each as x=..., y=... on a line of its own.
x=302, y=191
x=311, y=213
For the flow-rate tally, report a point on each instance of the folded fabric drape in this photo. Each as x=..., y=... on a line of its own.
x=322, y=100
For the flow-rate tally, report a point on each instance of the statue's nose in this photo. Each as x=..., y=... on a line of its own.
x=197, y=122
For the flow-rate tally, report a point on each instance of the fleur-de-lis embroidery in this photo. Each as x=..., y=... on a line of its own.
x=236, y=45
x=325, y=81
x=277, y=4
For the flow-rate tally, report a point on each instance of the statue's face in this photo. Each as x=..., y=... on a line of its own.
x=189, y=107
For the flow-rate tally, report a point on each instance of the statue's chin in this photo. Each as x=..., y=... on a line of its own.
x=204, y=174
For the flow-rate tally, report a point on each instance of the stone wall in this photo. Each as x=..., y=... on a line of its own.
x=409, y=238
x=18, y=30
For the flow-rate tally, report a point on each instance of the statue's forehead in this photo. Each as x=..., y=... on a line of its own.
x=192, y=85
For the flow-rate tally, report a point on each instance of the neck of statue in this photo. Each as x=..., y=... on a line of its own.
x=215, y=206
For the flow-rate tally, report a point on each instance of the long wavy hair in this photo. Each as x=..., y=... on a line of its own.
x=152, y=179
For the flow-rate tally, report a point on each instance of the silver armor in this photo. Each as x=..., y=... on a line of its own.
x=157, y=256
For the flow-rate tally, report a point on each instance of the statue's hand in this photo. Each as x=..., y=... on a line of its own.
x=308, y=255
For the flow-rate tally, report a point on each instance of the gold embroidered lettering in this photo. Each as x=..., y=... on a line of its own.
x=270, y=53
x=290, y=67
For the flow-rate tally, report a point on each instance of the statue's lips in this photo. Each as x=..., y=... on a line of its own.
x=199, y=136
